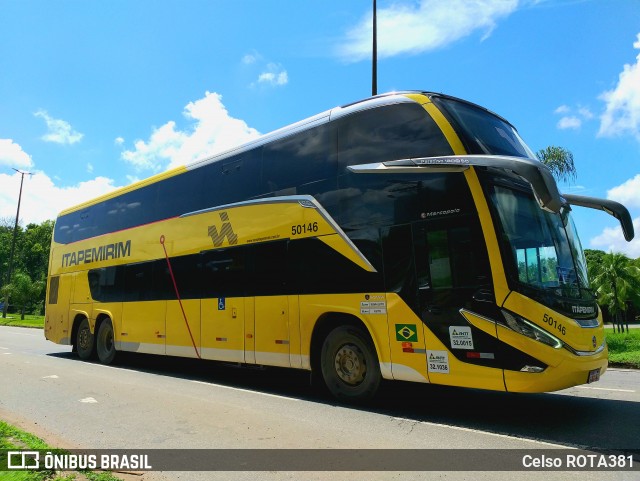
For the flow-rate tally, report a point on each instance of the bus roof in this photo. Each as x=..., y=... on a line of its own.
x=315, y=120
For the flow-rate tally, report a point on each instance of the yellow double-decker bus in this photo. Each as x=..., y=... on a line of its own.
x=410, y=236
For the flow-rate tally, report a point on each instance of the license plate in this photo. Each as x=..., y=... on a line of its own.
x=594, y=376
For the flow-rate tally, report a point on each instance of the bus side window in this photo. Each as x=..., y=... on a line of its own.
x=268, y=273
x=399, y=263
x=455, y=260
x=240, y=176
x=300, y=158
x=224, y=273
x=440, y=265
x=389, y=133
x=138, y=282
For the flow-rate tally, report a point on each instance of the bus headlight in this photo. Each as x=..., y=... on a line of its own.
x=526, y=328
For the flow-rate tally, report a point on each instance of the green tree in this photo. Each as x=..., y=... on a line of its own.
x=31, y=254
x=616, y=281
x=559, y=161
x=23, y=291
x=594, y=259
x=36, y=244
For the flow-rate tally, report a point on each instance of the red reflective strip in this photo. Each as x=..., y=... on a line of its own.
x=474, y=355
x=175, y=286
x=407, y=349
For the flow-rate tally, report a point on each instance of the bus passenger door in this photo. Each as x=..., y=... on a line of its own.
x=143, y=316
x=272, y=307
x=272, y=339
x=452, y=274
x=223, y=277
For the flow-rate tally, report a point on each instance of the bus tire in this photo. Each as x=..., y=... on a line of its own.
x=84, y=340
x=105, y=343
x=349, y=364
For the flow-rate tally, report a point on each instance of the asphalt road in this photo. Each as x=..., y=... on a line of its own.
x=150, y=402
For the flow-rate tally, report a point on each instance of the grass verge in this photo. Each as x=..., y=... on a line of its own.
x=624, y=348
x=12, y=438
x=29, y=321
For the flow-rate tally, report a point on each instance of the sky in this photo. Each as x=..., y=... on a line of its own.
x=96, y=95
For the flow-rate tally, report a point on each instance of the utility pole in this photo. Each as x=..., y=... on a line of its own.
x=13, y=242
x=374, y=66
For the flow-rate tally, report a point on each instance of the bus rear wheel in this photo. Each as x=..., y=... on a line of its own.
x=105, y=344
x=84, y=340
x=349, y=365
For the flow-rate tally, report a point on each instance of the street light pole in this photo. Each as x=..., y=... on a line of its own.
x=13, y=242
x=374, y=66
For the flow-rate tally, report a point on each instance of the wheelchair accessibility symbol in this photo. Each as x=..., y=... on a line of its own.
x=221, y=304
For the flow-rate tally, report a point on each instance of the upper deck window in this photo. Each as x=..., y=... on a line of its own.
x=393, y=132
x=481, y=131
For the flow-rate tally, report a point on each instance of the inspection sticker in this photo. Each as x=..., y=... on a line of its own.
x=460, y=337
x=438, y=362
x=370, y=307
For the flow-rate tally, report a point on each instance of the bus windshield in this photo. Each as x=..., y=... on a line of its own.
x=545, y=249
x=481, y=131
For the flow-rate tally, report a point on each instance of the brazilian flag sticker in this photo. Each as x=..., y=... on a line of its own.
x=406, y=332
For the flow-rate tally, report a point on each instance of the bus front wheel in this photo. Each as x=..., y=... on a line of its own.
x=105, y=344
x=84, y=340
x=349, y=364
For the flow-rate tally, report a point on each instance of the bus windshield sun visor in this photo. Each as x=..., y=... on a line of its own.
x=611, y=207
x=535, y=173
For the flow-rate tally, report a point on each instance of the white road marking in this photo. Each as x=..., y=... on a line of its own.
x=53, y=376
x=605, y=389
x=89, y=400
x=245, y=390
x=5, y=348
x=6, y=353
x=477, y=431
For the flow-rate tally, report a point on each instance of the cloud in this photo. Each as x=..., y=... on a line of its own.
x=251, y=58
x=271, y=74
x=42, y=199
x=118, y=141
x=211, y=130
x=572, y=118
x=585, y=113
x=59, y=131
x=12, y=155
x=419, y=26
x=569, y=122
x=275, y=76
x=627, y=193
x=622, y=111
x=612, y=240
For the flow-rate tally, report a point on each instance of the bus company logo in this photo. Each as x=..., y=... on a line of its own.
x=226, y=232
x=583, y=309
x=95, y=254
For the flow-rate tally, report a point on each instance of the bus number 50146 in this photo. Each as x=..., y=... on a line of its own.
x=552, y=322
x=304, y=228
